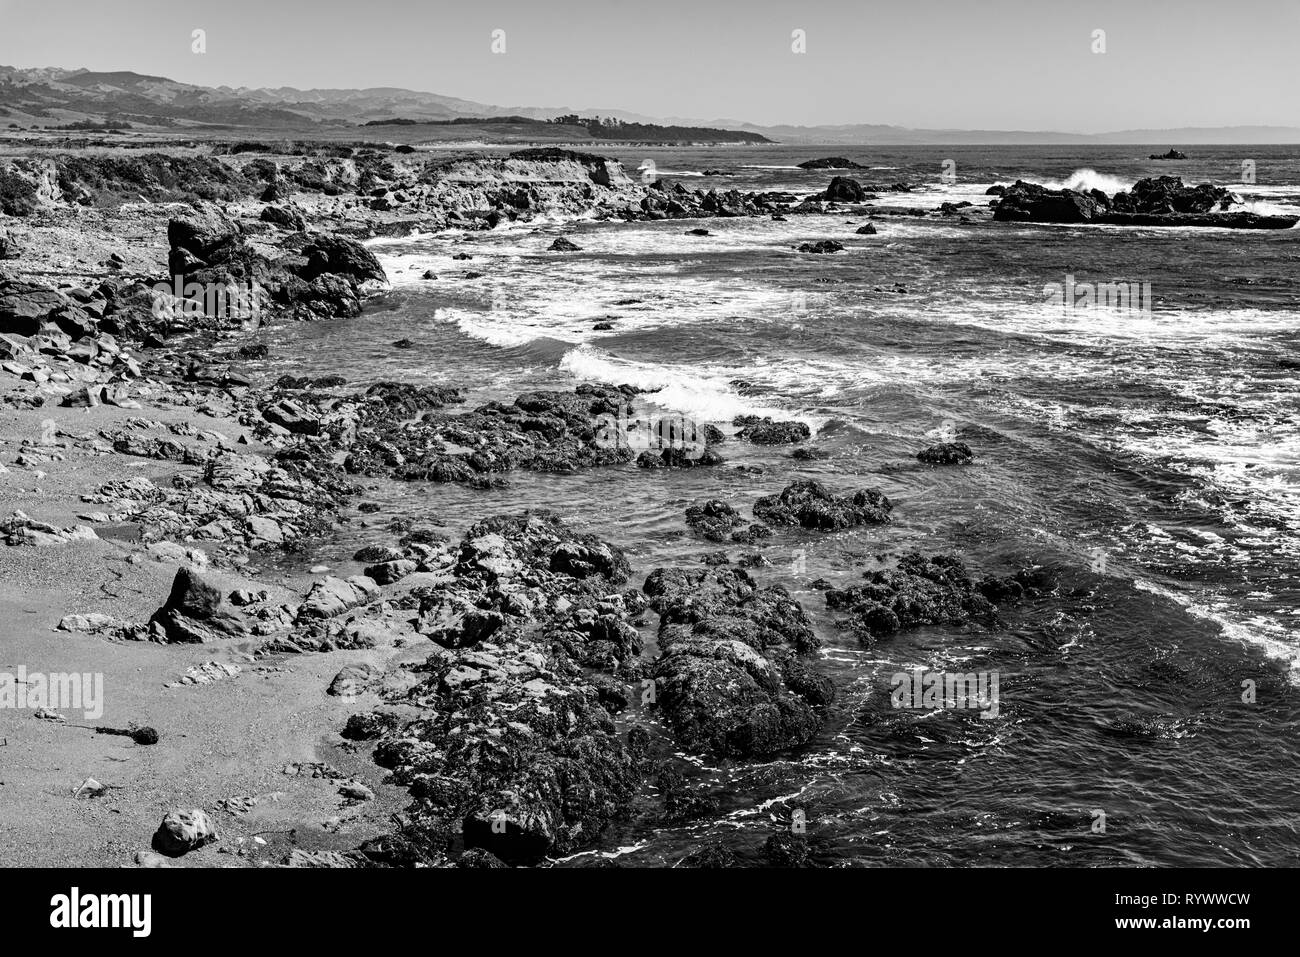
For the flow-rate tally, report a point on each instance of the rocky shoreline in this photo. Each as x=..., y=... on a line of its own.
x=506, y=675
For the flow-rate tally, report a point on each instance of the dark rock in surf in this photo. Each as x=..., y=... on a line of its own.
x=717, y=521
x=1030, y=202
x=946, y=453
x=787, y=850
x=830, y=162
x=822, y=247
x=764, y=431
x=341, y=257
x=845, y=190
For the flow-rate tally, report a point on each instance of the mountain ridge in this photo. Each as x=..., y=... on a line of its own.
x=124, y=96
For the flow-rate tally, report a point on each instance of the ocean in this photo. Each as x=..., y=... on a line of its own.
x=1145, y=454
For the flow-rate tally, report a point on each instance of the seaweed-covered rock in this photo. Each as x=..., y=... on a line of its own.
x=764, y=431
x=539, y=431
x=919, y=591
x=514, y=750
x=728, y=680
x=717, y=521
x=946, y=453
x=808, y=503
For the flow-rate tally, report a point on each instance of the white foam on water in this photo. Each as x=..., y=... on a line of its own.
x=495, y=328
x=1161, y=327
x=1276, y=641
x=1083, y=180
x=701, y=391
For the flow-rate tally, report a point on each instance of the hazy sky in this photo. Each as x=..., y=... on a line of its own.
x=1004, y=64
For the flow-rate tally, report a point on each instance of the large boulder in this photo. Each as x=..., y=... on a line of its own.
x=332, y=596
x=845, y=190
x=764, y=431
x=26, y=307
x=197, y=611
x=203, y=232
x=1030, y=202
x=183, y=831
x=946, y=453
x=343, y=257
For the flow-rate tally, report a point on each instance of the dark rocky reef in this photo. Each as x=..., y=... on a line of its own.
x=1155, y=201
x=664, y=200
x=539, y=431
